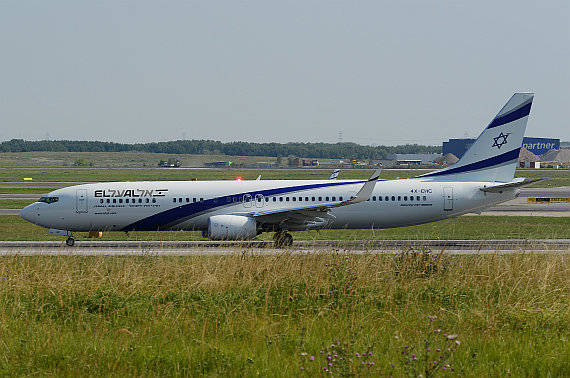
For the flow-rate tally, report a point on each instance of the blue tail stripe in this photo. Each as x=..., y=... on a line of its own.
x=487, y=163
x=521, y=112
x=187, y=211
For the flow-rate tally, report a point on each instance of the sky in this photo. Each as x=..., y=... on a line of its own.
x=369, y=72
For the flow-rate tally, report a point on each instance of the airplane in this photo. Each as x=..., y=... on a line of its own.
x=243, y=209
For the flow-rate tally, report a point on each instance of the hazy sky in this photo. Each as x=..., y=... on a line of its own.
x=378, y=72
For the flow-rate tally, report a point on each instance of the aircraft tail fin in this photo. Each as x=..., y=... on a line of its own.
x=494, y=154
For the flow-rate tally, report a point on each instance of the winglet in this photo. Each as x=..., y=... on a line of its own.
x=366, y=191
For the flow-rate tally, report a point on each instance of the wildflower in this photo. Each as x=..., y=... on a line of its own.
x=370, y=353
x=428, y=349
x=451, y=337
x=372, y=363
x=405, y=347
x=438, y=350
x=413, y=356
x=312, y=358
x=330, y=364
x=457, y=342
x=357, y=354
x=303, y=353
x=329, y=358
x=302, y=368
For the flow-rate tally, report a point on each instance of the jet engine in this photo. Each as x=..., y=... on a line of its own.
x=231, y=227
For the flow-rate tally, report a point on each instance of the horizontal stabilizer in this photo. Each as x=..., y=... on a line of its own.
x=517, y=183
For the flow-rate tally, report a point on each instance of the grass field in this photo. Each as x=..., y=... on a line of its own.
x=66, y=176
x=14, y=228
x=405, y=315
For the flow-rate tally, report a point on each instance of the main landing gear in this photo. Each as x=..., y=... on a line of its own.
x=282, y=239
x=70, y=241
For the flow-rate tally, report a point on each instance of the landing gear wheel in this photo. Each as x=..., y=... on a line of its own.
x=70, y=242
x=282, y=239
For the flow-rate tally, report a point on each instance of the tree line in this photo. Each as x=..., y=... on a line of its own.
x=209, y=147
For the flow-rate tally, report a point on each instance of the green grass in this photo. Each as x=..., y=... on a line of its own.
x=12, y=227
x=245, y=315
x=14, y=204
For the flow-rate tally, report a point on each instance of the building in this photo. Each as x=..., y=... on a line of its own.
x=457, y=147
x=538, y=146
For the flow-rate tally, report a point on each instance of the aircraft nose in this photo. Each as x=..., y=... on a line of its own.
x=28, y=212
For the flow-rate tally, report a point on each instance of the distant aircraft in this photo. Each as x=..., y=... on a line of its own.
x=243, y=209
x=334, y=174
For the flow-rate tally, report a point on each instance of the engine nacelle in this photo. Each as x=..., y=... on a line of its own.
x=231, y=227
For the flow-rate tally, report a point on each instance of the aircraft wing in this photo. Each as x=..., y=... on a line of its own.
x=317, y=214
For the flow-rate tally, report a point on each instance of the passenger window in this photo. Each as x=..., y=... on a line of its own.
x=399, y=198
x=334, y=198
x=379, y=198
x=174, y=200
x=373, y=198
x=287, y=199
x=425, y=198
x=101, y=200
x=194, y=199
x=327, y=198
x=187, y=200
x=202, y=199
x=320, y=198
x=120, y=200
x=274, y=199
x=340, y=198
x=154, y=200
x=280, y=199
x=411, y=198
x=306, y=199
x=405, y=198
x=147, y=200
x=417, y=198
x=228, y=199
x=266, y=199
x=140, y=200
x=313, y=199
x=393, y=198
x=294, y=199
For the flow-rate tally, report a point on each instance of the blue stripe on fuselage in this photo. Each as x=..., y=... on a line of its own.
x=174, y=215
x=487, y=163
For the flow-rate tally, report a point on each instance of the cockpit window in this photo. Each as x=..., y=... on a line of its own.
x=48, y=199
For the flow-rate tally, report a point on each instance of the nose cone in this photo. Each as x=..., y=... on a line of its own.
x=28, y=213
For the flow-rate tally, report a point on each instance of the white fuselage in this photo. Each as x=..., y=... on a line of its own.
x=181, y=205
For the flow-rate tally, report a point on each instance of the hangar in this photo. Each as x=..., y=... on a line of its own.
x=538, y=146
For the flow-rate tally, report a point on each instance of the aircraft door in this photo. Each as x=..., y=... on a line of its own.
x=448, y=198
x=259, y=200
x=81, y=200
x=247, y=200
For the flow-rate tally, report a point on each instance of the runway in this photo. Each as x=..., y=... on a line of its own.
x=213, y=248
